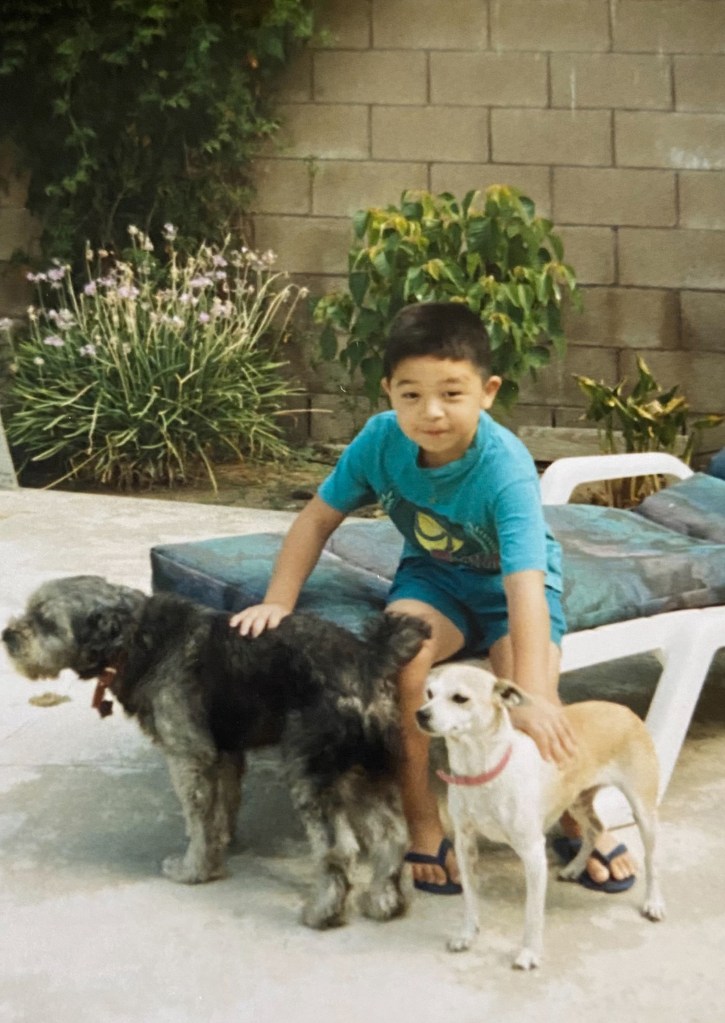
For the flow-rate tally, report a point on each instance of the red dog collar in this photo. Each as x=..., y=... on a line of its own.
x=477, y=779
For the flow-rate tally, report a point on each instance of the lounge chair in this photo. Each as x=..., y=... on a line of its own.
x=648, y=580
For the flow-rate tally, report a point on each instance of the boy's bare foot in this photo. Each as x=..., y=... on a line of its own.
x=621, y=867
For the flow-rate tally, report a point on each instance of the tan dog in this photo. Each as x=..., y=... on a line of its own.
x=502, y=788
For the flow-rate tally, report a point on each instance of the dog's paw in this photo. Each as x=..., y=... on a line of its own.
x=321, y=918
x=526, y=960
x=461, y=942
x=383, y=905
x=654, y=909
x=177, y=869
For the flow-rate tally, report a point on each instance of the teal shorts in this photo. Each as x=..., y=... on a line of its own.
x=474, y=601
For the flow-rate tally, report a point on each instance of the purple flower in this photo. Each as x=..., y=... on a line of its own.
x=53, y=341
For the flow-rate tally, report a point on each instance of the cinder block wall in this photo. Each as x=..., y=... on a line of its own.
x=610, y=114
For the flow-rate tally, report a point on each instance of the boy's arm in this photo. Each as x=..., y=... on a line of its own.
x=532, y=667
x=299, y=554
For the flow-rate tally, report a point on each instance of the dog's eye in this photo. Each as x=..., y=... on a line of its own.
x=460, y=698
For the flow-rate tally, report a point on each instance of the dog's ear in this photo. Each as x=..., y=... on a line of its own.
x=508, y=694
x=100, y=635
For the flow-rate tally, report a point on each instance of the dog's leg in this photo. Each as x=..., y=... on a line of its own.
x=590, y=827
x=533, y=855
x=645, y=814
x=465, y=841
x=334, y=850
x=384, y=834
x=196, y=784
x=229, y=795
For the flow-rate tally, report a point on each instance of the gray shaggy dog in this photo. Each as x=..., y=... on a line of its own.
x=205, y=695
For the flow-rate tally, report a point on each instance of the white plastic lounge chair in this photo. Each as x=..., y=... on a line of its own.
x=684, y=641
x=625, y=573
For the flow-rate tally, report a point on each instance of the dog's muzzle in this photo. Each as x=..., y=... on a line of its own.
x=11, y=639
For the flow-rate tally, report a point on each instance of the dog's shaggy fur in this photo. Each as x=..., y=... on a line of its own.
x=206, y=695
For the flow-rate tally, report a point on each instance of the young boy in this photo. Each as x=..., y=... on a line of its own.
x=478, y=563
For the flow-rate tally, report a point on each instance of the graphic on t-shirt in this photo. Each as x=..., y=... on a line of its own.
x=445, y=540
x=431, y=535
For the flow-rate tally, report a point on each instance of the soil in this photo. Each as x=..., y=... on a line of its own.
x=279, y=486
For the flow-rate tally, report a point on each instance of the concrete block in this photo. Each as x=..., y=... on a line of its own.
x=460, y=178
x=699, y=376
x=490, y=79
x=702, y=199
x=343, y=187
x=294, y=82
x=13, y=181
x=348, y=26
x=282, y=186
x=703, y=320
x=578, y=137
x=550, y=25
x=453, y=25
x=636, y=318
x=614, y=196
x=315, y=245
x=336, y=418
x=19, y=232
x=590, y=250
x=555, y=384
x=430, y=133
x=684, y=141
x=16, y=293
x=333, y=130
x=700, y=83
x=668, y=26
x=633, y=81
x=370, y=76
x=672, y=259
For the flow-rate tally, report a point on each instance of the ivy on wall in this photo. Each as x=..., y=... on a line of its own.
x=141, y=111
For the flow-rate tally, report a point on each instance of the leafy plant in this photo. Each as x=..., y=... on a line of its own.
x=647, y=419
x=141, y=111
x=489, y=250
x=152, y=368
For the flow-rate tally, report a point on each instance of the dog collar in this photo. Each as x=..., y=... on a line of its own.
x=477, y=779
x=100, y=702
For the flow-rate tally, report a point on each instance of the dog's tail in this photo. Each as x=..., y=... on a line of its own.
x=400, y=636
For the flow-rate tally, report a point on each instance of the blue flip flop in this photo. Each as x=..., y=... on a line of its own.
x=567, y=848
x=449, y=887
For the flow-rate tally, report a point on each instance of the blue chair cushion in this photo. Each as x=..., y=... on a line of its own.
x=617, y=565
x=695, y=506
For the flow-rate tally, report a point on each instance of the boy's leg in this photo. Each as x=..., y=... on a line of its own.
x=503, y=666
x=420, y=805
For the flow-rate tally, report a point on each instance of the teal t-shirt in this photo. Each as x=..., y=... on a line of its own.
x=482, y=510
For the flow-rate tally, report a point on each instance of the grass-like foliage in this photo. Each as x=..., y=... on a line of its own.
x=153, y=368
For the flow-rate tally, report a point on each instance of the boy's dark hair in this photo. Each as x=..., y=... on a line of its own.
x=445, y=330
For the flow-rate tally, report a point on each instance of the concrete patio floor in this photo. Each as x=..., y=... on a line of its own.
x=92, y=932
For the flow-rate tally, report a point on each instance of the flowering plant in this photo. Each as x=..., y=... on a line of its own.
x=153, y=368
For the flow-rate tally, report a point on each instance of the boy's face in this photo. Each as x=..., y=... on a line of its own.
x=437, y=402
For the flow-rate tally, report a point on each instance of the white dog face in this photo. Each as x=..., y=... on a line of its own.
x=463, y=697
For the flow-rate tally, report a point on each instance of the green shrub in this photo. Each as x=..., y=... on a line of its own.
x=489, y=250
x=142, y=111
x=153, y=368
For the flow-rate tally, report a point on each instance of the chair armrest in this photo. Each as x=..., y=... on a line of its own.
x=564, y=475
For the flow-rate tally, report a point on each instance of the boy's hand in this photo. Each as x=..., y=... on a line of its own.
x=253, y=621
x=548, y=727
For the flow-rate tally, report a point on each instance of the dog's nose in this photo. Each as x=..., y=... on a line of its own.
x=10, y=638
x=422, y=716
